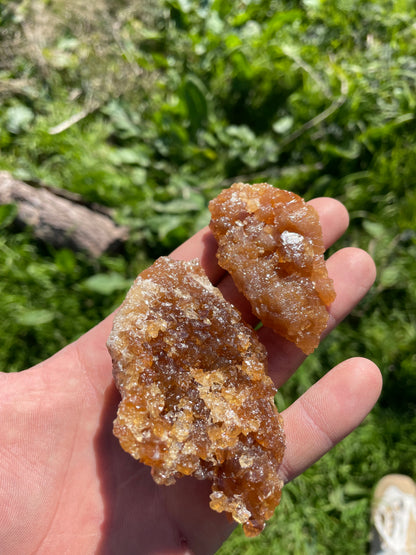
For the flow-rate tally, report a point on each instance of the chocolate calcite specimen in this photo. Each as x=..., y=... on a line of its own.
x=196, y=399
x=270, y=241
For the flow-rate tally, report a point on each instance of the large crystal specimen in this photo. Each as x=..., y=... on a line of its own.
x=196, y=399
x=270, y=241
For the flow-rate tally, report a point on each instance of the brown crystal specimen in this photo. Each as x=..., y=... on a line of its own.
x=196, y=399
x=270, y=241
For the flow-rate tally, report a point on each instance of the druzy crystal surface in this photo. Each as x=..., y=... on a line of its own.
x=196, y=398
x=270, y=241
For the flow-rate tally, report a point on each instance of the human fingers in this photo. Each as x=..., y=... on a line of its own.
x=333, y=217
x=327, y=412
x=353, y=272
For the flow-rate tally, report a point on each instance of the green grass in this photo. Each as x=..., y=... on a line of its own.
x=178, y=101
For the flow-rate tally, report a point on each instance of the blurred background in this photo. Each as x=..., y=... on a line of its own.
x=142, y=111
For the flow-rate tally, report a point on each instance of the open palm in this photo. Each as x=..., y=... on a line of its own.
x=66, y=486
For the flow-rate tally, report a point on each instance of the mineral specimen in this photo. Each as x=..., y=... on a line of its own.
x=196, y=399
x=270, y=241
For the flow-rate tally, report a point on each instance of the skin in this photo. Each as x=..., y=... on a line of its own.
x=66, y=486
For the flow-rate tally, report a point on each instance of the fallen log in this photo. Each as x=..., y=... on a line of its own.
x=61, y=221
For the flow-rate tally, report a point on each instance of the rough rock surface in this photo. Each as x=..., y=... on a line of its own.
x=196, y=398
x=270, y=241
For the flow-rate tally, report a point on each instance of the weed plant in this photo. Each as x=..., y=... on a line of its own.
x=153, y=110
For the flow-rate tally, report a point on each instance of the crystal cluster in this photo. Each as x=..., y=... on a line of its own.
x=270, y=241
x=196, y=397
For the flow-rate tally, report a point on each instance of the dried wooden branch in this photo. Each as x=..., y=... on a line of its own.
x=59, y=221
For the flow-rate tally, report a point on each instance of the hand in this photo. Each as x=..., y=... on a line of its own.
x=66, y=486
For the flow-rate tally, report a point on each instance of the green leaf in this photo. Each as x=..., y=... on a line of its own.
x=106, y=284
x=242, y=133
x=35, y=317
x=165, y=224
x=352, y=489
x=311, y=3
x=376, y=230
x=8, y=212
x=283, y=124
x=184, y=6
x=378, y=132
x=177, y=206
x=138, y=176
x=139, y=155
x=122, y=120
x=336, y=498
x=214, y=23
x=350, y=151
x=390, y=276
x=194, y=96
x=65, y=261
x=18, y=119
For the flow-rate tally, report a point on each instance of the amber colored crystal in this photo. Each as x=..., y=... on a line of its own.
x=270, y=241
x=196, y=399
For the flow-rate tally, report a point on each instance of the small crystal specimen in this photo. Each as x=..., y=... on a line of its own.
x=196, y=399
x=270, y=241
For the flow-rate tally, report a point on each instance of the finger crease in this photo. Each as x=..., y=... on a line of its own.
x=312, y=416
